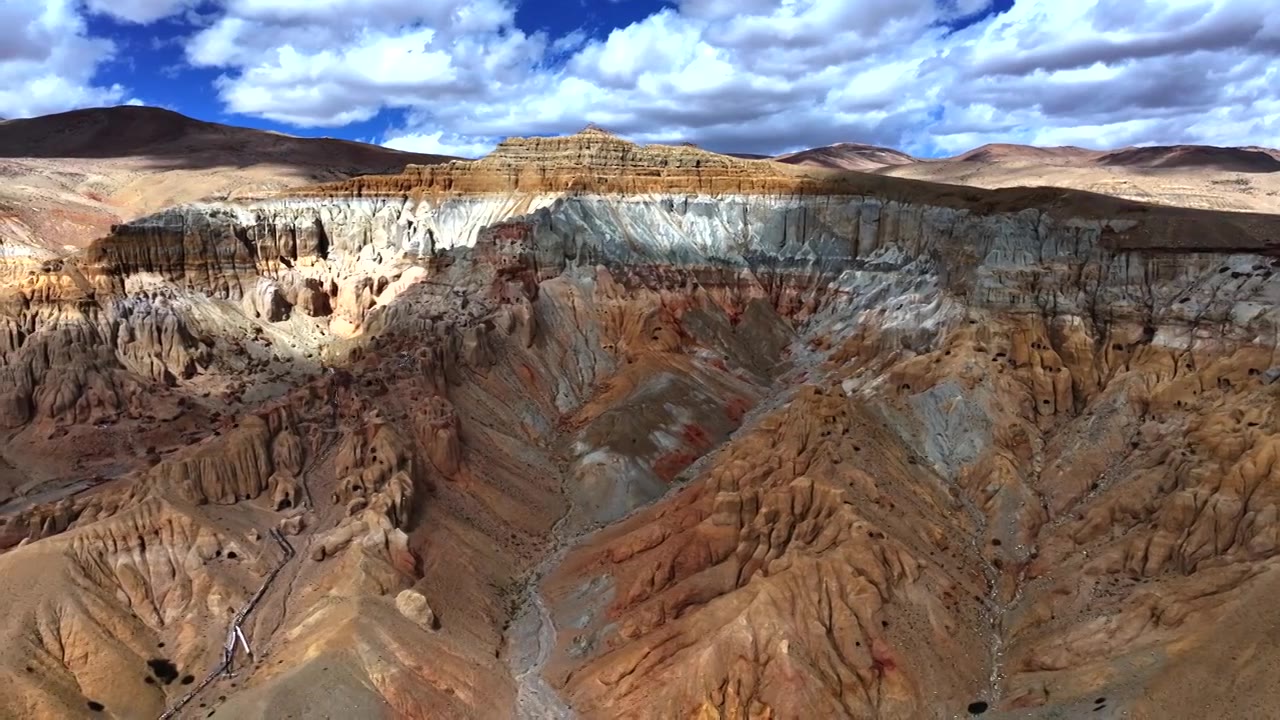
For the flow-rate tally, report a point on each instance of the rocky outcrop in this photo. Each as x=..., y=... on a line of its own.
x=376, y=473
x=414, y=606
x=442, y=445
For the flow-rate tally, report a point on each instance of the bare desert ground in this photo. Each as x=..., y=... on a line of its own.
x=66, y=179
x=1236, y=179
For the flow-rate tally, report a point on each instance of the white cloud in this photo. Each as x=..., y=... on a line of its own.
x=140, y=11
x=48, y=61
x=308, y=63
x=766, y=75
x=441, y=143
x=749, y=75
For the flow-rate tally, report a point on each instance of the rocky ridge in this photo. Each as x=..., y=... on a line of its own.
x=1016, y=453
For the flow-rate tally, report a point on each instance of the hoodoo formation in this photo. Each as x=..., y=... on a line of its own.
x=586, y=429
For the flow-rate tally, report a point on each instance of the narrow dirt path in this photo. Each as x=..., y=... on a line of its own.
x=235, y=632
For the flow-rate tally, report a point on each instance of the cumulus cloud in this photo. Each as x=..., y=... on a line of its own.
x=442, y=143
x=307, y=63
x=1112, y=73
x=765, y=75
x=746, y=75
x=48, y=60
x=139, y=11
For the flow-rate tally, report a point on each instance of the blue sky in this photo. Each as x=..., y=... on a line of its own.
x=933, y=77
x=152, y=61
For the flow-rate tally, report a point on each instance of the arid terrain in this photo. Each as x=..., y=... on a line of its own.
x=1240, y=179
x=66, y=179
x=585, y=429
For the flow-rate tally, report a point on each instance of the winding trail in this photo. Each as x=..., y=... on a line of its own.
x=234, y=630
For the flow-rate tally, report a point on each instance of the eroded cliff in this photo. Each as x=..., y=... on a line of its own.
x=586, y=428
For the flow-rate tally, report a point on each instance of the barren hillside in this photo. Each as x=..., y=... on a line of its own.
x=67, y=178
x=1211, y=178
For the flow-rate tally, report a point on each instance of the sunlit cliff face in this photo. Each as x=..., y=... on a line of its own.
x=598, y=430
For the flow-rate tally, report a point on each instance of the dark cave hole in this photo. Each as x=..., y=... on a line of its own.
x=164, y=669
x=231, y=555
x=1100, y=700
x=977, y=708
x=160, y=644
x=188, y=679
x=995, y=541
x=96, y=706
x=149, y=680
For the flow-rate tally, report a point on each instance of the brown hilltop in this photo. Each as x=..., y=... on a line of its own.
x=138, y=131
x=847, y=156
x=1243, y=160
x=1006, y=152
x=1227, y=159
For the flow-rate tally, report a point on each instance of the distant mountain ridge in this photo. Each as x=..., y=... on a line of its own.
x=69, y=177
x=848, y=156
x=855, y=156
x=135, y=131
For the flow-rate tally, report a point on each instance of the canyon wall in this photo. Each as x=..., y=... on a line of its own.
x=586, y=428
